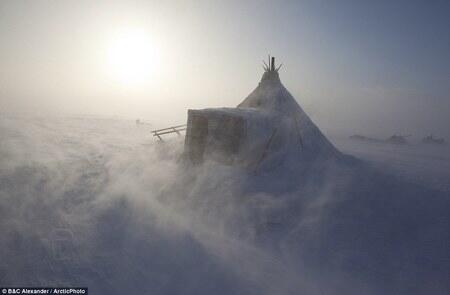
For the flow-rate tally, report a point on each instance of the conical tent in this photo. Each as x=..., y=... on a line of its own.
x=268, y=128
x=272, y=97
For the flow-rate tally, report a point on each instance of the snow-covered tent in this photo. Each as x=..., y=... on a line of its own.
x=266, y=127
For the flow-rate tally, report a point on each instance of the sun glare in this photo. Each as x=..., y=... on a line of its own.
x=131, y=57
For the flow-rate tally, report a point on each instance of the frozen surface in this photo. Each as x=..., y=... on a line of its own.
x=98, y=203
x=417, y=162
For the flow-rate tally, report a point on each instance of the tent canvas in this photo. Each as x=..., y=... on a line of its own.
x=268, y=124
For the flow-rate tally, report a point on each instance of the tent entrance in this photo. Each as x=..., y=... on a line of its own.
x=218, y=136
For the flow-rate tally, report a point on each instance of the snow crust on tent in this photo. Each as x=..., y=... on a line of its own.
x=272, y=97
x=227, y=135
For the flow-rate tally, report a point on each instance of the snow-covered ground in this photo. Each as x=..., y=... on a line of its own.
x=99, y=203
x=421, y=163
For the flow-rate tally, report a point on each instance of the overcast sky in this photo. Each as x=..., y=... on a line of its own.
x=375, y=67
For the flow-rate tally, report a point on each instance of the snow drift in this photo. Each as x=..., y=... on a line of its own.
x=97, y=203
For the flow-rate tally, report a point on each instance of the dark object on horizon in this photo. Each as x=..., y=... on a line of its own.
x=139, y=122
x=432, y=140
x=363, y=138
x=398, y=139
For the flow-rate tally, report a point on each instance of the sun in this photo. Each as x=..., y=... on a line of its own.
x=131, y=57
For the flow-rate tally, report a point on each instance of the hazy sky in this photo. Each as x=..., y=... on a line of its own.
x=377, y=67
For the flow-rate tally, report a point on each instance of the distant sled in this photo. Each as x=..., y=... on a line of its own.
x=140, y=122
x=363, y=138
x=432, y=140
x=398, y=139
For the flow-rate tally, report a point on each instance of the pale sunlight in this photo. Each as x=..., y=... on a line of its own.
x=132, y=57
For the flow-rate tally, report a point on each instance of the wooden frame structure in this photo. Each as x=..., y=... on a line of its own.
x=271, y=67
x=173, y=129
